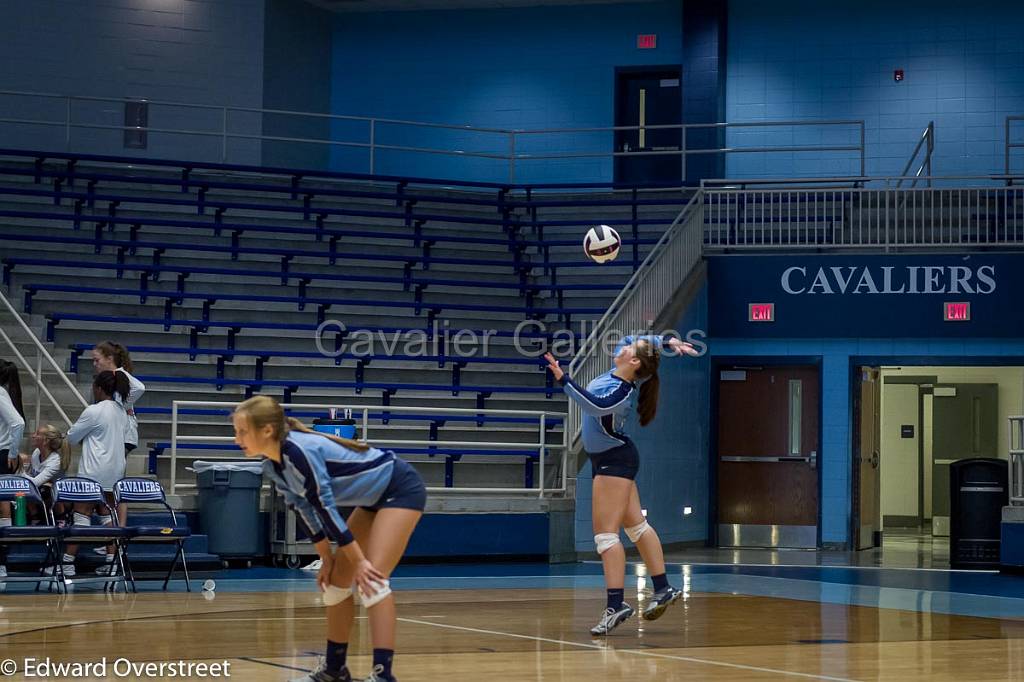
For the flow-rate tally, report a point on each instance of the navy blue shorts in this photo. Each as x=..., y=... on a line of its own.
x=622, y=461
x=405, y=491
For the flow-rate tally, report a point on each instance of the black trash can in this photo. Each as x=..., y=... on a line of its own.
x=978, y=491
x=229, y=508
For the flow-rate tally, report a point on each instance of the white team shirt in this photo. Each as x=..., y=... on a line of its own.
x=101, y=430
x=131, y=433
x=43, y=471
x=12, y=425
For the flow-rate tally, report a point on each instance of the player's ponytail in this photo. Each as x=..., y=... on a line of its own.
x=262, y=410
x=111, y=383
x=649, y=359
x=117, y=353
x=647, y=406
x=55, y=441
x=295, y=425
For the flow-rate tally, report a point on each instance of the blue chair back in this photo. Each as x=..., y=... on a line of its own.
x=137, y=489
x=78, y=489
x=12, y=485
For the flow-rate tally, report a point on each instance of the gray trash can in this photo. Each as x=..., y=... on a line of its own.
x=229, y=508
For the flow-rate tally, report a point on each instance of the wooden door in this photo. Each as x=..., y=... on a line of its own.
x=767, y=457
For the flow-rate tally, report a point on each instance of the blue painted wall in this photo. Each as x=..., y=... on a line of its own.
x=802, y=59
x=540, y=67
x=296, y=77
x=196, y=51
x=835, y=354
x=673, y=449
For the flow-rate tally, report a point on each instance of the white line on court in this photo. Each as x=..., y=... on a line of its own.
x=818, y=566
x=635, y=652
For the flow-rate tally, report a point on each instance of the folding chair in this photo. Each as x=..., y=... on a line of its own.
x=12, y=486
x=79, y=489
x=146, y=490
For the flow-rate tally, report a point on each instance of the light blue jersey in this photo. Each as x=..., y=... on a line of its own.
x=317, y=476
x=606, y=403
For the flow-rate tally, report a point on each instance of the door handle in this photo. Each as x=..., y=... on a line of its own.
x=810, y=459
x=874, y=459
x=813, y=459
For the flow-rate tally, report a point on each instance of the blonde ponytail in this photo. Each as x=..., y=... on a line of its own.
x=295, y=425
x=262, y=410
x=57, y=442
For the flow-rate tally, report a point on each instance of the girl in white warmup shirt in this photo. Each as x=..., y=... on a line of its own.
x=12, y=426
x=100, y=430
x=50, y=459
x=109, y=356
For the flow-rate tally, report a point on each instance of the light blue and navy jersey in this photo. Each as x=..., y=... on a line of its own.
x=606, y=403
x=317, y=476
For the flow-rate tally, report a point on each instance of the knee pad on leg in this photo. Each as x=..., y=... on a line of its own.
x=82, y=519
x=606, y=541
x=635, y=532
x=106, y=520
x=4, y=523
x=383, y=590
x=334, y=595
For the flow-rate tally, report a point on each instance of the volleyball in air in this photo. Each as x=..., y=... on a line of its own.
x=601, y=244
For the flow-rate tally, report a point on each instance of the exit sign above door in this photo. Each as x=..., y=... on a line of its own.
x=646, y=41
x=761, y=312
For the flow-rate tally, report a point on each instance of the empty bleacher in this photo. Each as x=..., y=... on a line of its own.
x=217, y=278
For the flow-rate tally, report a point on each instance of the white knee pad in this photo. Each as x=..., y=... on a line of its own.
x=4, y=523
x=106, y=520
x=606, y=541
x=383, y=590
x=82, y=519
x=635, y=532
x=334, y=595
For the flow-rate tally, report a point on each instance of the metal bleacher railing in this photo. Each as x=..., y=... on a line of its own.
x=924, y=167
x=43, y=360
x=537, y=453
x=863, y=212
x=240, y=130
x=1011, y=141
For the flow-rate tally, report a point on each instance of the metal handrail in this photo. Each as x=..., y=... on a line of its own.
x=36, y=374
x=509, y=143
x=848, y=181
x=1007, y=144
x=927, y=137
x=542, y=446
x=800, y=217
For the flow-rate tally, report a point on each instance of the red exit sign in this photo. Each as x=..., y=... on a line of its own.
x=647, y=41
x=956, y=312
x=761, y=312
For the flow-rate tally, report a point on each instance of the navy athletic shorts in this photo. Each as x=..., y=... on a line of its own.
x=622, y=461
x=405, y=491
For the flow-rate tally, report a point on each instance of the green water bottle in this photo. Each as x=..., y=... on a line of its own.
x=20, y=510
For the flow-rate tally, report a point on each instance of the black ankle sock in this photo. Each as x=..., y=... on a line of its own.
x=615, y=598
x=336, y=654
x=660, y=582
x=383, y=658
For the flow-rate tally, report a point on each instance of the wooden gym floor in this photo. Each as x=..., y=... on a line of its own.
x=531, y=623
